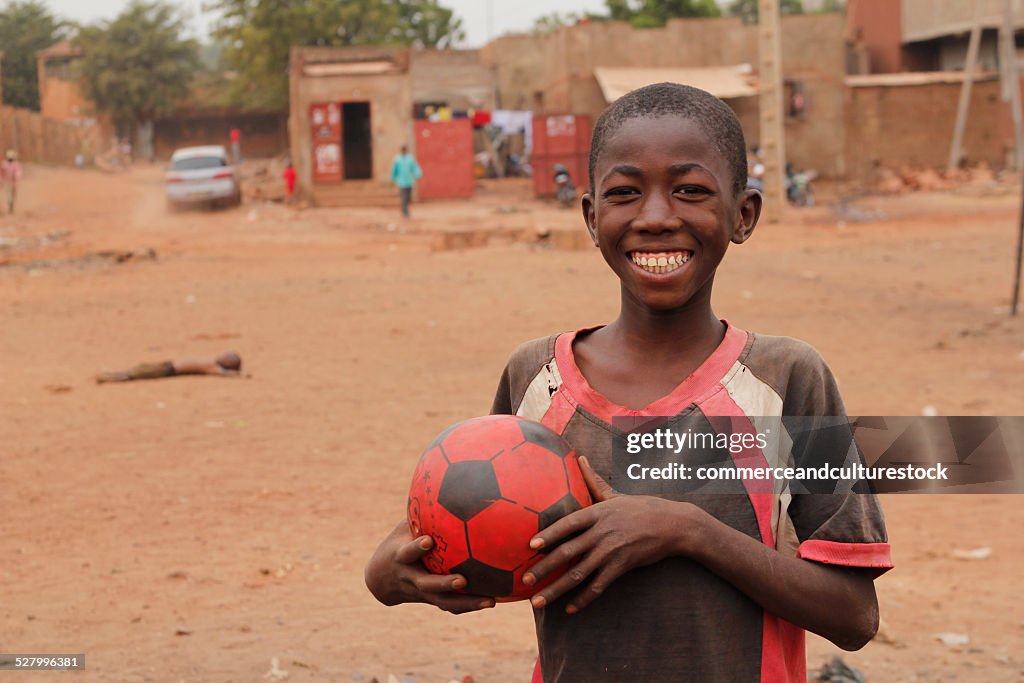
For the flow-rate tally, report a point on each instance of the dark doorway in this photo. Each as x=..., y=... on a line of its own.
x=357, y=145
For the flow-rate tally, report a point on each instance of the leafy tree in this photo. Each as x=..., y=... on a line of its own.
x=550, y=22
x=258, y=36
x=25, y=28
x=427, y=24
x=748, y=9
x=138, y=66
x=654, y=13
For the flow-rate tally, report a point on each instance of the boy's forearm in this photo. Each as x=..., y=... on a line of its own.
x=837, y=603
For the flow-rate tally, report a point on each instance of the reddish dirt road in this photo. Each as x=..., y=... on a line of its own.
x=191, y=529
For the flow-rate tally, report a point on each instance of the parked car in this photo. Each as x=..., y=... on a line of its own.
x=202, y=175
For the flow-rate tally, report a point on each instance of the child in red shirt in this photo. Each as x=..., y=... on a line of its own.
x=289, y=181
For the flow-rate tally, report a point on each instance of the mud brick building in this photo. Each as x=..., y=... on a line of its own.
x=580, y=69
x=906, y=62
x=352, y=109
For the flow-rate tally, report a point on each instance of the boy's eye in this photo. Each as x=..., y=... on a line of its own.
x=694, y=191
x=620, y=192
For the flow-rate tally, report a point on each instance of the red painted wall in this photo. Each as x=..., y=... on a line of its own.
x=560, y=139
x=444, y=150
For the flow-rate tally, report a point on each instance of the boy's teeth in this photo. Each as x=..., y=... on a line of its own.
x=661, y=262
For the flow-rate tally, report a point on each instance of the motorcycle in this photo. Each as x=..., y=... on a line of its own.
x=798, y=186
x=565, y=191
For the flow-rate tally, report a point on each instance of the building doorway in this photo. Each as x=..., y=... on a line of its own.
x=357, y=142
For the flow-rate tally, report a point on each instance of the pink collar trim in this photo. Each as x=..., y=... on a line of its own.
x=695, y=387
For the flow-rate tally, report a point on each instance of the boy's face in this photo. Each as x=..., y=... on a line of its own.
x=663, y=210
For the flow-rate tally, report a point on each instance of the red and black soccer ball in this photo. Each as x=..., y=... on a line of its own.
x=482, y=489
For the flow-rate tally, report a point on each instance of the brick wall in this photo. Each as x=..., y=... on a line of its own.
x=263, y=134
x=43, y=140
x=912, y=125
x=453, y=76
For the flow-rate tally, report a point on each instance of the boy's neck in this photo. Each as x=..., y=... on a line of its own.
x=643, y=355
x=663, y=334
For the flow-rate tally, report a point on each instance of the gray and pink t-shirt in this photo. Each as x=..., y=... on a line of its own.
x=675, y=620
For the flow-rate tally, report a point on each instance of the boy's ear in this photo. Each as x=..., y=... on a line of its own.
x=747, y=214
x=588, y=216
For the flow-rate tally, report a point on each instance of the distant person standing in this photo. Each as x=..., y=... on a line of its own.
x=404, y=173
x=236, y=145
x=10, y=174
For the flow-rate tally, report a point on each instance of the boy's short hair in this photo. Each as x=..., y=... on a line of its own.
x=673, y=99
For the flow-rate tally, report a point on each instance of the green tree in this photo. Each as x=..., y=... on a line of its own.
x=654, y=13
x=258, y=36
x=748, y=9
x=138, y=66
x=25, y=28
x=424, y=23
x=555, y=20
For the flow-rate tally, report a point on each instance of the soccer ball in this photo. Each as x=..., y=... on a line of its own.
x=482, y=489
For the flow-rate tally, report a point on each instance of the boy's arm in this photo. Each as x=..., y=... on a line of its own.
x=620, y=533
x=395, y=575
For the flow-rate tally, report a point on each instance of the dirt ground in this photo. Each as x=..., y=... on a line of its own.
x=192, y=529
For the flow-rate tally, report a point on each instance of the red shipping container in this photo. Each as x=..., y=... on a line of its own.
x=444, y=150
x=560, y=139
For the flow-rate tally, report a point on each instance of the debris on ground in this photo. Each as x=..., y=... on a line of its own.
x=276, y=673
x=22, y=243
x=837, y=671
x=106, y=256
x=972, y=554
x=953, y=639
x=262, y=180
x=846, y=213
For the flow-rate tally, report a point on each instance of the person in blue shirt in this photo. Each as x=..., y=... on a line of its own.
x=404, y=173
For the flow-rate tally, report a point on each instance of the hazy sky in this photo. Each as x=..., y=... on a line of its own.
x=480, y=22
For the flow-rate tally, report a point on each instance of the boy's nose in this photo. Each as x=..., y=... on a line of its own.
x=656, y=213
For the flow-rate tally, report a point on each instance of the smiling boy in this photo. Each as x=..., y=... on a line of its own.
x=668, y=585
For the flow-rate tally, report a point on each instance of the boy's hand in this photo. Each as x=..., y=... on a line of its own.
x=395, y=575
x=616, y=534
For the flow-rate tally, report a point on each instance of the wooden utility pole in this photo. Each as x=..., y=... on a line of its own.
x=1011, y=81
x=1015, y=299
x=773, y=133
x=1011, y=86
x=965, y=95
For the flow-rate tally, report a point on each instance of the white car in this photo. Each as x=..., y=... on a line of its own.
x=201, y=175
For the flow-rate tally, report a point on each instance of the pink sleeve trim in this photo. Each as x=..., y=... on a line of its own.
x=871, y=555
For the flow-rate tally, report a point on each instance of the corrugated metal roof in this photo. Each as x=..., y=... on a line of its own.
x=725, y=82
